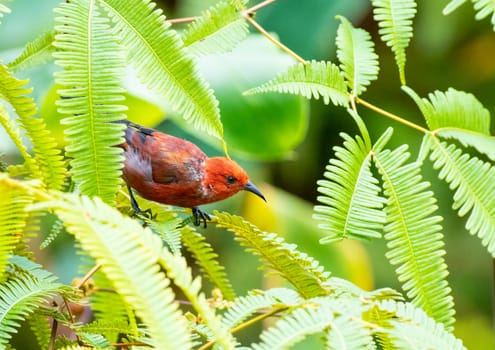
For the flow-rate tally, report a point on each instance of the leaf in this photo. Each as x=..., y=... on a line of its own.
x=414, y=235
x=13, y=220
x=348, y=333
x=351, y=204
x=483, y=8
x=312, y=80
x=128, y=255
x=217, y=30
x=452, y=109
x=36, y=52
x=395, y=19
x=302, y=271
x=411, y=328
x=48, y=163
x=20, y=297
x=177, y=269
x=473, y=182
x=91, y=96
x=483, y=143
x=207, y=260
x=158, y=55
x=357, y=56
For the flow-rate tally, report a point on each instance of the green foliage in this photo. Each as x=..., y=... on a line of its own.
x=483, y=8
x=36, y=52
x=350, y=195
x=206, y=258
x=158, y=55
x=414, y=236
x=91, y=97
x=395, y=19
x=357, y=56
x=311, y=80
x=47, y=163
x=301, y=270
x=473, y=181
x=218, y=30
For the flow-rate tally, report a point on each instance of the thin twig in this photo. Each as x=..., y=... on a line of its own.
x=260, y=5
x=270, y=37
x=247, y=324
x=391, y=116
x=181, y=20
x=88, y=276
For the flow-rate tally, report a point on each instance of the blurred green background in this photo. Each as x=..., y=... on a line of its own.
x=285, y=141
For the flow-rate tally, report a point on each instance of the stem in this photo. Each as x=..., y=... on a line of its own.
x=267, y=35
x=180, y=20
x=391, y=116
x=247, y=324
x=88, y=276
x=260, y=5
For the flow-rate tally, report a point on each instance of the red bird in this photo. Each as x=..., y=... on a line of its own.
x=169, y=170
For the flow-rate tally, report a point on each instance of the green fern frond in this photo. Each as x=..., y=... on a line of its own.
x=110, y=329
x=314, y=79
x=159, y=56
x=177, y=269
x=217, y=30
x=483, y=8
x=42, y=330
x=90, y=92
x=356, y=53
x=293, y=328
x=411, y=328
x=31, y=268
x=245, y=306
x=302, y=271
x=55, y=230
x=29, y=166
x=13, y=221
x=48, y=165
x=20, y=297
x=206, y=258
x=36, y=52
x=3, y=9
x=351, y=204
x=348, y=333
x=453, y=109
x=129, y=257
x=414, y=236
x=474, y=184
x=481, y=142
x=395, y=19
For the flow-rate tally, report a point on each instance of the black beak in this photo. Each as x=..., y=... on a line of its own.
x=252, y=188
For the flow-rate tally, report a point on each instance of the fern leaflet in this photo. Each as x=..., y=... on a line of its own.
x=128, y=255
x=206, y=258
x=91, y=93
x=395, y=18
x=218, y=30
x=302, y=271
x=49, y=165
x=483, y=8
x=357, y=56
x=350, y=195
x=36, y=52
x=157, y=53
x=311, y=80
x=178, y=270
x=414, y=236
x=473, y=182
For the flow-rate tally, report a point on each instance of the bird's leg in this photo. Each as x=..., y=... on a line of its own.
x=199, y=215
x=135, y=205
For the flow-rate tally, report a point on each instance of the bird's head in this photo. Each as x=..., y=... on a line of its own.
x=224, y=178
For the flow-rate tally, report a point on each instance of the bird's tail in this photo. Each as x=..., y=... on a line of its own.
x=132, y=129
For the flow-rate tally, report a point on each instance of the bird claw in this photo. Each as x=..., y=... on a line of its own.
x=199, y=215
x=144, y=214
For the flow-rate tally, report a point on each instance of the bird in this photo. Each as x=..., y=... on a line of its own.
x=170, y=170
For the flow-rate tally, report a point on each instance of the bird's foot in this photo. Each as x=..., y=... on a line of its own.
x=199, y=215
x=144, y=214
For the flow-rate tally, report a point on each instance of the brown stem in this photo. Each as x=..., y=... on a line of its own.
x=260, y=5
x=180, y=20
x=88, y=276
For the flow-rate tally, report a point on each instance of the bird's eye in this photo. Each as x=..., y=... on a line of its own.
x=231, y=179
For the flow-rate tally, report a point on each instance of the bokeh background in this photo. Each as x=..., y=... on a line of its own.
x=286, y=141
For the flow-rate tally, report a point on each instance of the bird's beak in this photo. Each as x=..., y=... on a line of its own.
x=252, y=188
